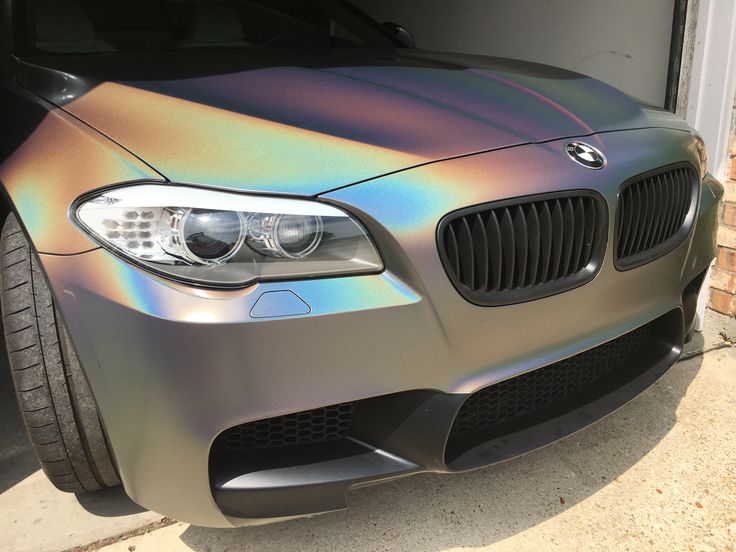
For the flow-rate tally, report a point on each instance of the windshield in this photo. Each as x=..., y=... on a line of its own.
x=124, y=26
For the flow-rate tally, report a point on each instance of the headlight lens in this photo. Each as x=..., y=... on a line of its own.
x=211, y=236
x=223, y=239
x=702, y=153
x=288, y=236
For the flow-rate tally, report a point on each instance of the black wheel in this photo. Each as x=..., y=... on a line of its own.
x=55, y=400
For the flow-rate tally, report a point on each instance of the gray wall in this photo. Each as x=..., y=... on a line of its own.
x=623, y=42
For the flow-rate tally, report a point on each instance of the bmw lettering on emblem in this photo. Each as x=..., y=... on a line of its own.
x=586, y=155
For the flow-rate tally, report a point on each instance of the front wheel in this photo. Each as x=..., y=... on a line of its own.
x=56, y=403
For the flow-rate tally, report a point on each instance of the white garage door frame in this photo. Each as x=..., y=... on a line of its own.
x=712, y=90
x=711, y=93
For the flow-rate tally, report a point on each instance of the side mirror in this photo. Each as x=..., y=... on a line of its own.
x=402, y=33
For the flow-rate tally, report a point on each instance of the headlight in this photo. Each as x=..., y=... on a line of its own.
x=702, y=153
x=224, y=239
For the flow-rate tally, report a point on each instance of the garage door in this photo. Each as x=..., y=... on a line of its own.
x=624, y=42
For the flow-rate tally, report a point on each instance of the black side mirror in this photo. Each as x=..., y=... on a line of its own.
x=402, y=33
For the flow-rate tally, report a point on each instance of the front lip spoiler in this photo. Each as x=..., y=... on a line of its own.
x=314, y=486
x=325, y=473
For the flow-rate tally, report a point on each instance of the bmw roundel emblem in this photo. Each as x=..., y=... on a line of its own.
x=586, y=155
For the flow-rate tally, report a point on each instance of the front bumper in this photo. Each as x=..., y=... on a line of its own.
x=172, y=367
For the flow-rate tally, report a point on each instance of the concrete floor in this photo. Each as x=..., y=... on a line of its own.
x=659, y=474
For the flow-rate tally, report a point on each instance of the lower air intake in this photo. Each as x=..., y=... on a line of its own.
x=321, y=425
x=539, y=395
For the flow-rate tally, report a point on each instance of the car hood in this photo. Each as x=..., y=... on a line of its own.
x=274, y=123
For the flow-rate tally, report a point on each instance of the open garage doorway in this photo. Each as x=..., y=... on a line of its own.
x=627, y=43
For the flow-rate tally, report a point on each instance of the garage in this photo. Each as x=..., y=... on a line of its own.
x=582, y=36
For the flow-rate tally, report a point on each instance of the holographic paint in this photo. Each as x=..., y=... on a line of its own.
x=307, y=129
x=61, y=160
x=399, y=139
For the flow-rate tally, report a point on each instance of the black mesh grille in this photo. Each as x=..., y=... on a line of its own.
x=524, y=249
x=320, y=425
x=536, y=390
x=653, y=214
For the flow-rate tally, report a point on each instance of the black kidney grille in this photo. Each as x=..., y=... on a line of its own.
x=524, y=249
x=653, y=214
x=320, y=425
x=533, y=391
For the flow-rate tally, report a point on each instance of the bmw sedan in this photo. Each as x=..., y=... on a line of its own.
x=259, y=253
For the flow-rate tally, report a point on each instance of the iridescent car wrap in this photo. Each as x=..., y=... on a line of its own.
x=398, y=139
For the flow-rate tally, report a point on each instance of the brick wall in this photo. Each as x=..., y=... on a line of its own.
x=723, y=283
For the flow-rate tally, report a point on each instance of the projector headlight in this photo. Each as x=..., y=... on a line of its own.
x=216, y=238
x=702, y=154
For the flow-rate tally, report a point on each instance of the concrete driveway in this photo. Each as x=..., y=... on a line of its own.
x=659, y=474
x=34, y=517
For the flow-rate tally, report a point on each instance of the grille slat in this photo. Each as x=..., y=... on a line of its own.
x=678, y=201
x=545, y=224
x=662, y=214
x=589, y=234
x=481, y=250
x=521, y=239
x=467, y=254
x=666, y=201
x=647, y=208
x=641, y=220
x=668, y=215
x=653, y=214
x=628, y=215
x=558, y=227
x=535, y=241
x=509, y=249
x=649, y=203
x=639, y=205
x=579, y=235
x=684, y=202
x=673, y=207
x=523, y=249
x=529, y=393
x=493, y=231
x=568, y=240
x=671, y=216
x=451, y=247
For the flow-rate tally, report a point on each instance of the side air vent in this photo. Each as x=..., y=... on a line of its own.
x=526, y=248
x=655, y=214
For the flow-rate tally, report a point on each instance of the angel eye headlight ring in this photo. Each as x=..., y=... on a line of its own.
x=209, y=236
x=285, y=236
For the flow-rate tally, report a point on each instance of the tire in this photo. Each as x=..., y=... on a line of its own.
x=55, y=400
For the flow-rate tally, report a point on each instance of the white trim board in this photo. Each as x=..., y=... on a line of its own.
x=712, y=91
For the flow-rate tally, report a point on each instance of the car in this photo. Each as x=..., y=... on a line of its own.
x=259, y=253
